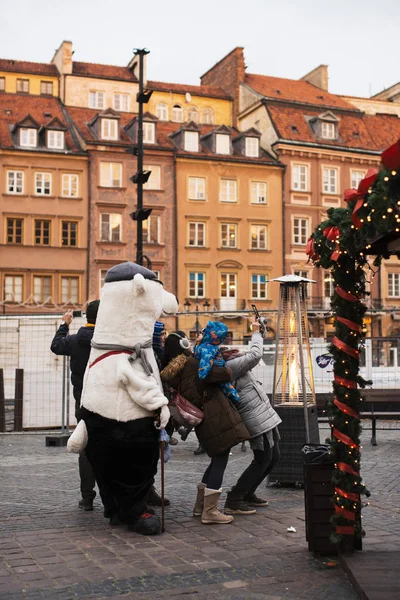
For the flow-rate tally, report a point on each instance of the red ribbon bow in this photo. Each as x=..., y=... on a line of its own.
x=310, y=249
x=332, y=233
x=391, y=156
x=363, y=187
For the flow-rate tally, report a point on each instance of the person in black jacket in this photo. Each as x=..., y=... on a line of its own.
x=77, y=346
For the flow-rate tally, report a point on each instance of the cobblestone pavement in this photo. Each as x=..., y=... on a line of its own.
x=50, y=550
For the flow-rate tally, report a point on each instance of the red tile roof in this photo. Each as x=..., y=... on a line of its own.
x=31, y=68
x=103, y=71
x=22, y=105
x=83, y=116
x=356, y=131
x=195, y=90
x=294, y=91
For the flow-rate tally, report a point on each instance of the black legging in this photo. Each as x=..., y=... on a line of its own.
x=214, y=473
x=261, y=465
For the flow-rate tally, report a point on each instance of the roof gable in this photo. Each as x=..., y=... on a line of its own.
x=55, y=124
x=27, y=122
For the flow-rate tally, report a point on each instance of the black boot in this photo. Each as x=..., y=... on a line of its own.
x=199, y=450
x=154, y=498
x=235, y=505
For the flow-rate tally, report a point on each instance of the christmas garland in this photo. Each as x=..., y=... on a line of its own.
x=341, y=244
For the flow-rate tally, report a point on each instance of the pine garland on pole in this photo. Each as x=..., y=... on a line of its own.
x=342, y=243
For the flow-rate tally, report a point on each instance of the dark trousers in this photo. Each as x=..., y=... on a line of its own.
x=261, y=465
x=214, y=473
x=124, y=458
x=86, y=474
x=87, y=477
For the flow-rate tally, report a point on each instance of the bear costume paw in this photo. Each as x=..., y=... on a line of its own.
x=79, y=439
x=146, y=524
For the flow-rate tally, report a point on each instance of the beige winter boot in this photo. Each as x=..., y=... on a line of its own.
x=211, y=514
x=198, y=507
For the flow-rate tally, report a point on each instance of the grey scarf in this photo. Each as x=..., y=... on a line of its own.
x=137, y=351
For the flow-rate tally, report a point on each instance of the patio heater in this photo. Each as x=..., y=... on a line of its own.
x=293, y=385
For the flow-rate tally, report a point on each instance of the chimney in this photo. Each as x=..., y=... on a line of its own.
x=318, y=77
x=63, y=58
x=133, y=65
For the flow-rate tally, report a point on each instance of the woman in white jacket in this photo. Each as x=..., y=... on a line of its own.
x=262, y=423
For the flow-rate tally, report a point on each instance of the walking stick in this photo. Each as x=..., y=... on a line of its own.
x=162, y=487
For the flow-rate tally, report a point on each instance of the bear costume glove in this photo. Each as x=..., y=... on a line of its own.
x=79, y=439
x=163, y=419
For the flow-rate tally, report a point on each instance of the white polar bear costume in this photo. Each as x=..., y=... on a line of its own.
x=122, y=397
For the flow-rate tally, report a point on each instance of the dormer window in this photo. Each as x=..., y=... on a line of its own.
x=28, y=137
x=177, y=113
x=252, y=148
x=222, y=143
x=149, y=133
x=109, y=129
x=191, y=141
x=328, y=130
x=55, y=139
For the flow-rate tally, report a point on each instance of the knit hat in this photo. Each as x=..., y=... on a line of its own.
x=159, y=327
x=91, y=311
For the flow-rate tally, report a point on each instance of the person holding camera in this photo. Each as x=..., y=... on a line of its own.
x=78, y=347
x=261, y=421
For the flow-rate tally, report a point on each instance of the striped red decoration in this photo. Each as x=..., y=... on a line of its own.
x=344, y=438
x=345, y=382
x=346, y=409
x=345, y=295
x=349, y=324
x=347, y=469
x=348, y=495
x=345, y=347
x=346, y=514
x=348, y=530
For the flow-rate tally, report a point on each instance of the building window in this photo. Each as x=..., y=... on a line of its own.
x=208, y=116
x=42, y=232
x=328, y=289
x=394, y=285
x=151, y=230
x=96, y=100
x=259, y=287
x=149, y=131
x=23, y=86
x=229, y=235
x=196, y=285
x=304, y=275
x=162, y=111
x=110, y=174
x=2, y=84
x=13, y=285
x=102, y=276
x=356, y=177
x=330, y=180
x=228, y=190
x=55, y=140
x=300, y=231
x=121, y=102
x=43, y=184
x=70, y=185
x=46, y=88
x=28, y=137
x=14, y=231
x=252, y=147
x=110, y=227
x=193, y=114
x=42, y=288
x=15, y=182
x=69, y=233
x=258, y=192
x=328, y=130
x=191, y=141
x=258, y=234
x=197, y=188
x=300, y=178
x=177, y=113
x=154, y=181
x=70, y=290
x=109, y=129
x=228, y=290
x=197, y=234
x=222, y=143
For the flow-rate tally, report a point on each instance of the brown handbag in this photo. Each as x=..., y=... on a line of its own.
x=183, y=411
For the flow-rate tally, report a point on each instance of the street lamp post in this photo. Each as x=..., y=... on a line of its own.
x=140, y=214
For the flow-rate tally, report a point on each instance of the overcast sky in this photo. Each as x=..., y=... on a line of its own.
x=358, y=39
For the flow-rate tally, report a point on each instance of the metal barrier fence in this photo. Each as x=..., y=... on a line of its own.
x=35, y=392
